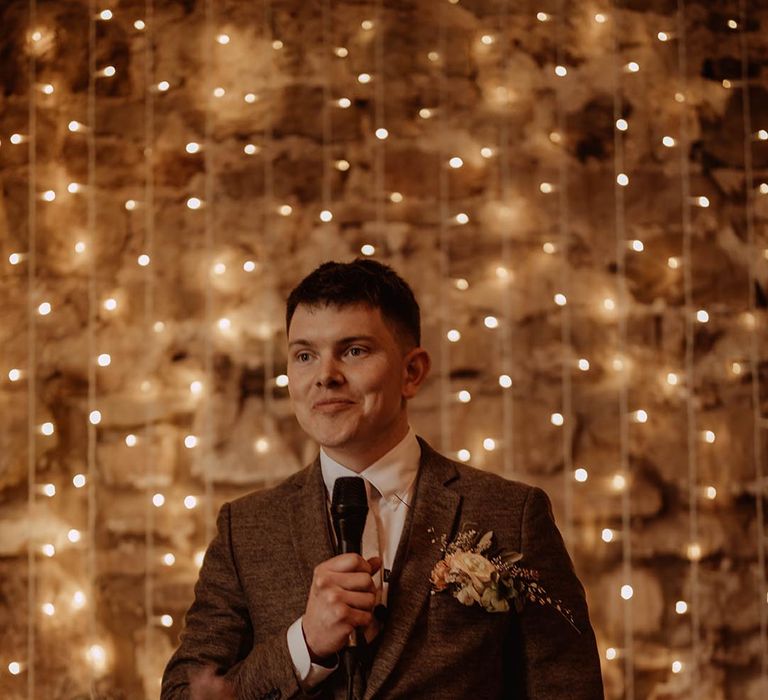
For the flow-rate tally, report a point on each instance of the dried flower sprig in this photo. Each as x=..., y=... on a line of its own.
x=476, y=572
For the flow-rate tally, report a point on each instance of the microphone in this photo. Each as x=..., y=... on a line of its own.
x=349, y=509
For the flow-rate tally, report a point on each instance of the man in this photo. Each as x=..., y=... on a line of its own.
x=274, y=607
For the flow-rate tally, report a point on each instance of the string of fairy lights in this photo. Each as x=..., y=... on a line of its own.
x=450, y=160
x=689, y=363
x=758, y=419
x=621, y=180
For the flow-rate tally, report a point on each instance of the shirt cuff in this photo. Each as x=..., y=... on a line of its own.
x=308, y=673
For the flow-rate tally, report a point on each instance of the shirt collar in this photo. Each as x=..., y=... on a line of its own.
x=392, y=474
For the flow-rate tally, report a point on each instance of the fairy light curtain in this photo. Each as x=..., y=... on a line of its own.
x=578, y=194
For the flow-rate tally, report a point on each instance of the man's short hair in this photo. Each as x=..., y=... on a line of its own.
x=362, y=281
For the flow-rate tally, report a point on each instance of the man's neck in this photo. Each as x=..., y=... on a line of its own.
x=357, y=460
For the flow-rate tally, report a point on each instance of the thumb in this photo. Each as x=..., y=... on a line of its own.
x=374, y=563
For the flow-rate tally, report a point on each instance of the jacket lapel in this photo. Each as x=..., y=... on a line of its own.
x=309, y=523
x=432, y=515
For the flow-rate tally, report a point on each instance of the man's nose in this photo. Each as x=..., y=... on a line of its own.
x=329, y=373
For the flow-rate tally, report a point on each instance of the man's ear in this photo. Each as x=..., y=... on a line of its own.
x=416, y=366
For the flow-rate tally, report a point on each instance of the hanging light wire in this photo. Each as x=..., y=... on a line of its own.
x=91, y=327
x=623, y=398
x=380, y=153
x=149, y=310
x=754, y=349
x=565, y=311
x=690, y=350
x=31, y=360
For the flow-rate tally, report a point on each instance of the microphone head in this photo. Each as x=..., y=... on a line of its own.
x=349, y=508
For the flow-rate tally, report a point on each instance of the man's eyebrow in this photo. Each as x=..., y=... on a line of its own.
x=341, y=341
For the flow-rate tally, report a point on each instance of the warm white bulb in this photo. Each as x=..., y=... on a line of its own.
x=169, y=559
x=78, y=481
x=668, y=141
x=626, y=591
x=281, y=380
x=581, y=475
x=158, y=500
x=491, y=322
x=486, y=152
x=196, y=387
x=709, y=436
x=464, y=455
x=192, y=147
x=16, y=139
x=461, y=284
x=49, y=489
x=110, y=304
x=711, y=493
x=44, y=309
x=693, y=551
x=48, y=89
x=622, y=124
x=104, y=359
x=109, y=71
x=622, y=179
x=677, y=666
x=702, y=316
x=131, y=440
x=609, y=304
x=546, y=187
x=326, y=215
x=163, y=86
x=277, y=44
x=433, y=56
x=194, y=203
x=223, y=39
x=583, y=364
x=250, y=149
x=78, y=600
x=464, y=396
x=199, y=557
x=49, y=195
x=489, y=444
x=557, y=419
x=455, y=162
x=14, y=374
x=600, y=18
x=94, y=417
x=261, y=445
x=763, y=189
x=633, y=67
x=367, y=25
x=610, y=653
x=48, y=550
x=249, y=266
x=364, y=78
x=341, y=51
x=487, y=39
x=367, y=249
x=425, y=113
x=190, y=502
x=542, y=16
x=105, y=15
x=395, y=197
x=285, y=210
x=224, y=324
x=249, y=98
x=549, y=248
x=139, y=24
x=48, y=429
x=673, y=263
x=48, y=609
x=702, y=202
x=607, y=535
x=97, y=657
x=637, y=246
x=618, y=482
x=14, y=258
x=342, y=165
x=662, y=36
x=462, y=218
x=219, y=92
x=382, y=134
x=453, y=335
x=640, y=416
x=14, y=668
x=561, y=71
x=166, y=620
x=505, y=381
x=74, y=535
x=190, y=441
x=560, y=299
x=733, y=24
x=344, y=102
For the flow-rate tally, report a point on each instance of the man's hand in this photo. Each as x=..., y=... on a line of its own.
x=342, y=597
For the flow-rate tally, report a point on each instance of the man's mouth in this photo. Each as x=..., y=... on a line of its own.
x=331, y=405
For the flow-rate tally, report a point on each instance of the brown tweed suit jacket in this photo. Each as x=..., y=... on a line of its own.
x=257, y=572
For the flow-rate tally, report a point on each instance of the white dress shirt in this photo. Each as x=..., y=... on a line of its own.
x=389, y=483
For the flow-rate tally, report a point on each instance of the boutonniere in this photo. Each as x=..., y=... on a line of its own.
x=477, y=572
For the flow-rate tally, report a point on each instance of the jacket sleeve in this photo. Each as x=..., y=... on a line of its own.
x=218, y=635
x=558, y=661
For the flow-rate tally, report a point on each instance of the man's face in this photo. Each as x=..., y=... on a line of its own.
x=348, y=380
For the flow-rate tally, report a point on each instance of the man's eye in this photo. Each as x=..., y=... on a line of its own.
x=302, y=356
x=356, y=351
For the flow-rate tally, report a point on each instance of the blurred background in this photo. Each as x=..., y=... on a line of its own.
x=577, y=192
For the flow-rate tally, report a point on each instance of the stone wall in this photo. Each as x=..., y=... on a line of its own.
x=650, y=377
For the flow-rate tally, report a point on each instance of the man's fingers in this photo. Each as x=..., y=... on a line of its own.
x=345, y=563
x=375, y=564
